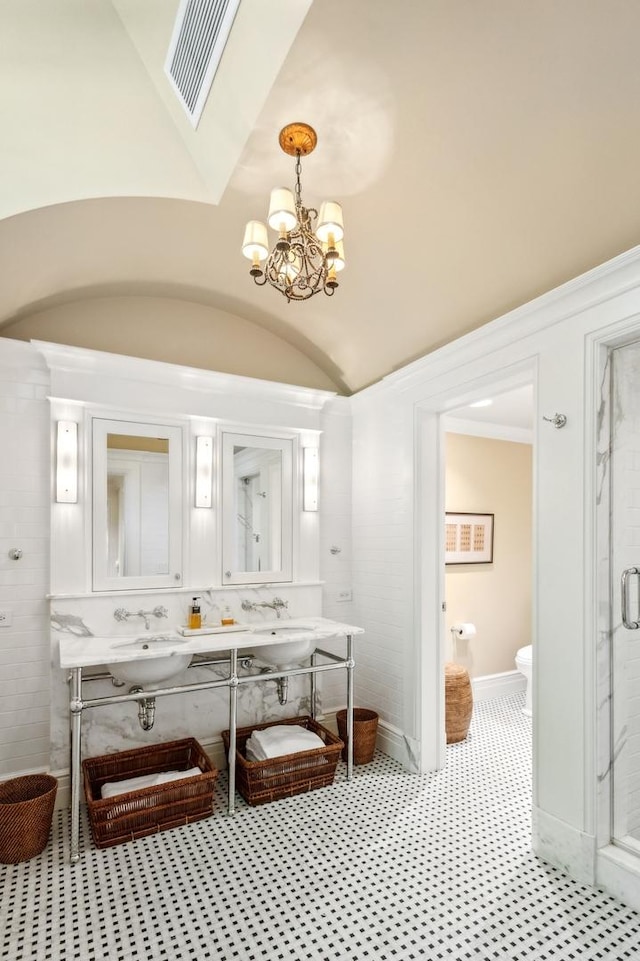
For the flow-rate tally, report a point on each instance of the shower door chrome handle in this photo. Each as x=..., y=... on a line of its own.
x=631, y=625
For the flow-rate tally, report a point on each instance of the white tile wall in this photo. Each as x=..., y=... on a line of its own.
x=33, y=708
x=383, y=567
x=336, y=569
x=24, y=523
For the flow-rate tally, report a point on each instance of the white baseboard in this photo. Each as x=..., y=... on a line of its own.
x=498, y=685
x=63, y=797
x=617, y=872
x=561, y=844
x=390, y=741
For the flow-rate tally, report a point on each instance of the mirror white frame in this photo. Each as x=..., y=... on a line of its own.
x=281, y=516
x=104, y=578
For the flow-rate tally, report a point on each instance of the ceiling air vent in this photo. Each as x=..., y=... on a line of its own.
x=200, y=35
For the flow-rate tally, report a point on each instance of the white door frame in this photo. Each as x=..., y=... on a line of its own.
x=430, y=568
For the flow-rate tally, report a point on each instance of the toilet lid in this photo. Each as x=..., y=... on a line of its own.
x=525, y=653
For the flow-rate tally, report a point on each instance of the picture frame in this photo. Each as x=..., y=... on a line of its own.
x=468, y=538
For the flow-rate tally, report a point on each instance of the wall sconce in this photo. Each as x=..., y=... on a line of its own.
x=310, y=478
x=67, y=462
x=204, y=471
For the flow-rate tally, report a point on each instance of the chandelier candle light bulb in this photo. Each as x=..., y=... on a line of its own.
x=255, y=245
x=302, y=262
x=336, y=255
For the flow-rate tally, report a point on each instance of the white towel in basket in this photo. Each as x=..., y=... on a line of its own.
x=112, y=788
x=280, y=739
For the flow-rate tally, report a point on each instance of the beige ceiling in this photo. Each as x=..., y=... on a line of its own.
x=484, y=152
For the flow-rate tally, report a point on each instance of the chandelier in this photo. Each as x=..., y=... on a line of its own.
x=305, y=259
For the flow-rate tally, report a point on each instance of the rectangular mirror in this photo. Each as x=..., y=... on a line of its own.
x=257, y=508
x=137, y=500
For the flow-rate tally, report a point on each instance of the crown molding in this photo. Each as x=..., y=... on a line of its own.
x=63, y=360
x=588, y=290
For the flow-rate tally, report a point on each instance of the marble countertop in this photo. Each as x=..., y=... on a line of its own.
x=95, y=651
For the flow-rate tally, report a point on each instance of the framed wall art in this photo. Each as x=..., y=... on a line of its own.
x=468, y=538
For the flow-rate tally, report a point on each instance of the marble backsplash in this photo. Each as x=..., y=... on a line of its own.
x=202, y=714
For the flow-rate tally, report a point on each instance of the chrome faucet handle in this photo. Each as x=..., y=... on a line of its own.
x=160, y=612
x=120, y=614
x=278, y=605
x=247, y=605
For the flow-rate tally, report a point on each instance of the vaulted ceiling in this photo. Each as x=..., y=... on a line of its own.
x=483, y=153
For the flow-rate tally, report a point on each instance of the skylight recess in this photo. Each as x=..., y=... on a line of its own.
x=199, y=37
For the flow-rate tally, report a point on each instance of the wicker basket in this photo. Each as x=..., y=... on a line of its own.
x=151, y=809
x=365, y=732
x=458, y=702
x=261, y=781
x=26, y=811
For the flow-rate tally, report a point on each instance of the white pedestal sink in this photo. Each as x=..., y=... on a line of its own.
x=156, y=658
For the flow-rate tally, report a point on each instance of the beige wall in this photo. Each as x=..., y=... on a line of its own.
x=491, y=477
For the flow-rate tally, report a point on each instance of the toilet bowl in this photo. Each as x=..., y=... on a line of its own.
x=524, y=663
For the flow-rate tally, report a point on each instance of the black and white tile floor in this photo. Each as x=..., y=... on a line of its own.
x=391, y=866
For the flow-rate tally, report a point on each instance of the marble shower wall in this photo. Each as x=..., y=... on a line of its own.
x=203, y=714
x=621, y=666
x=603, y=536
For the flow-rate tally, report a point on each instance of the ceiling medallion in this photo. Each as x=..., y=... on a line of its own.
x=306, y=258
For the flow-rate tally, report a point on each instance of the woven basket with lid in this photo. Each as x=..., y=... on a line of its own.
x=458, y=702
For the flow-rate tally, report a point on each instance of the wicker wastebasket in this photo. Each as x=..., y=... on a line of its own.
x=365, y=731
x=458, y=702
x=26, y=812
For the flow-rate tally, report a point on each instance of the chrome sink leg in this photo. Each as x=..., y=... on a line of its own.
x=350, y=667
x=314, y=688
x=75, y=706
x=233, y=719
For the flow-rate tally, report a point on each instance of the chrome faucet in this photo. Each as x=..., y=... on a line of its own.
x=121, y=614
x=277, y=605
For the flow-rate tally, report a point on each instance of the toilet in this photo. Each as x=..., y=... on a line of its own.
x=524, y=663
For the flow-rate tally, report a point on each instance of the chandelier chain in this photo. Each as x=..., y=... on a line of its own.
x=298, y=187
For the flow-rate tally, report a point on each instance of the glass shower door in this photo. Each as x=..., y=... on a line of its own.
x=625, y=599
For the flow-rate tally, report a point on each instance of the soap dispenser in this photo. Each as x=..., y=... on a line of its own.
x=227, y=617
x=195, y=617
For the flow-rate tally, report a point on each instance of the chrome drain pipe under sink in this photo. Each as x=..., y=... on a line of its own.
x=282, y=683
x=146, y=709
